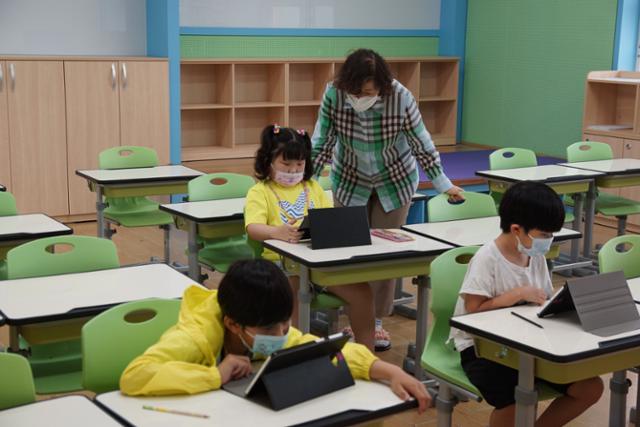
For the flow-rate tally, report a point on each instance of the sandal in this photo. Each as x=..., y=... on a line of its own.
x=382, y=339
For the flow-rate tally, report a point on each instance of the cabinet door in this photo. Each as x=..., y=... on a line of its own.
x=616, y=145
x=93, y=123
x=5, y=160
x=632, y=151
x=144, y=106
x=38, y=140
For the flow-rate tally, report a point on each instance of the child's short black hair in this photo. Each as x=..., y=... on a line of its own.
x=255, y=293
x=292, y=144
x=531, y=205
x=361, y=66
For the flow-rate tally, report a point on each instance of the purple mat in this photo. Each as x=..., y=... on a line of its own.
x=464, y=164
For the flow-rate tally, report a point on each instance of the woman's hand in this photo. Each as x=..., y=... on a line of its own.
x=455, y=194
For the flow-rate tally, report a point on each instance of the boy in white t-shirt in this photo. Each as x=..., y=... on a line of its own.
x=508, y=270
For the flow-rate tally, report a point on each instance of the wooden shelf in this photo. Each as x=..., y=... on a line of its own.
x=209, y=153
x=307, y=81
x=438, y=79
x=303, y=117
x=204, y=106
x=611, y=102
x=436, y=99
x=265, y=104
x=206, y=84
x=259, y=83
x=315, y=102
x=439, y=118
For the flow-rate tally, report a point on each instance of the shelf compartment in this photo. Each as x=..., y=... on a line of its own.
x=249, y=123
x=610, y=105
x=408, y=74
x=307, y=82
x=206, y=129
x=438, y=79
x=206, y=84
x=259, y=83
x=303, y=117
x=439, y=118
x=204, y=106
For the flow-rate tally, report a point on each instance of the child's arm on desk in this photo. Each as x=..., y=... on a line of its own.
x=475, y=303
x=285, y=232
x=402, y=384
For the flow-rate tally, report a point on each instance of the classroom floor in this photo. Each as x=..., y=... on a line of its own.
x=138, y=245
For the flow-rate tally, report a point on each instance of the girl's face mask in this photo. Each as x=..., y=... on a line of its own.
x=287, y=179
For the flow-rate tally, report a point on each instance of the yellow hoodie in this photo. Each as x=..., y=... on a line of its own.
x=184, y=360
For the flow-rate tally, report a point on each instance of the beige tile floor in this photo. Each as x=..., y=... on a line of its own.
x=138, y=245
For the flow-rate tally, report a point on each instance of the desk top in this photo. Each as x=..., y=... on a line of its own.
x=47, y=298
x=472, y=232
x=30, y=226
x=173, y=173
x=379, y=250
x=228, y=409
x=66, y=411
x=609, y=167
x=545, y=173
x=561, y=339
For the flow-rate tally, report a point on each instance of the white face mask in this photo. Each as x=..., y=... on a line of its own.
x=539, y=246
x=363, y=103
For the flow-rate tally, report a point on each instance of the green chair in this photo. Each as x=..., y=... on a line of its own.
x=135, y=211
x=474, y=205
x=111, y=340
x=55, y=346
x=17, y=382
x=324, y=179
x=510, y=158
x=439, y=359
x=225, y=243
x=613, y=256
x=606, y=204
x=7, y=208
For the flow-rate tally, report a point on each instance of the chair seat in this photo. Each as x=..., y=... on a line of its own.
x=136, y=212
x=70, y=381
x=219, y=256
x=3, y=270
x=326, y=301
x=612, y=205
x=568, y=216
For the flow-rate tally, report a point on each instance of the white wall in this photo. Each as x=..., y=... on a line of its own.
x=342, y=14
x=73, y=27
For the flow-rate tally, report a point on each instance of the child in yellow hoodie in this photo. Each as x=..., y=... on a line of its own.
x=219, y=332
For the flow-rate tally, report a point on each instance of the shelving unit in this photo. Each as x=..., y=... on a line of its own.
x=227, y=103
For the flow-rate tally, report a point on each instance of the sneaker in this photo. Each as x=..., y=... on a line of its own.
x=382, y=339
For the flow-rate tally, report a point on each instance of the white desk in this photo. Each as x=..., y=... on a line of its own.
x=19, y=228
x=215, y=212
x=67, y=411
x=563, y=180
x=473, y=232
x=560, y=352
x=381, y=260
x=153, y=181
x=66, y=296
x=373, y=399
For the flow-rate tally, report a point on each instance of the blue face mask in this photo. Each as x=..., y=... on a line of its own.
x=539, y=246
x=264, y=345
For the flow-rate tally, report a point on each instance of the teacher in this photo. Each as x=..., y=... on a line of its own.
x=370, y=127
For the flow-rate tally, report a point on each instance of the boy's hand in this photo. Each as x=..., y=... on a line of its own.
x=233, y=367
x=406, y=386
x=534, y=295
x=288, y=232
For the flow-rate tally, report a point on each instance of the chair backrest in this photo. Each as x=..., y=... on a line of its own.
x=611, y=258
x=447, y=273
x=585, y=151
x=17, y=386
x=45, y=257
x=127, y=156
x=216, y=186
x=7, y=204
x=324, y=179
x=510, y=158
x=111, y=340
x=474, y=205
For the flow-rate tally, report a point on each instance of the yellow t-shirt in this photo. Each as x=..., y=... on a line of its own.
x=270, y=203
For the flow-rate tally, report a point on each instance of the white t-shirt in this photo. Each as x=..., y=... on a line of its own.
x=490, y=274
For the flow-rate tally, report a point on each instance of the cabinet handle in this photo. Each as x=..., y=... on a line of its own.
x=12, y=75
x=124, y=75
x=113, y=75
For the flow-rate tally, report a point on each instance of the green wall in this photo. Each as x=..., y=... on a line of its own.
x=289, y=47
x=526, y=64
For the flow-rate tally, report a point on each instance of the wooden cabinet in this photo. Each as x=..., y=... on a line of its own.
x=5, y=156
x=37, y=132
x=112, y=103
x=227, y=103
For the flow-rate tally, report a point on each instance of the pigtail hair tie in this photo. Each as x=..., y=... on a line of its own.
x=276, y=128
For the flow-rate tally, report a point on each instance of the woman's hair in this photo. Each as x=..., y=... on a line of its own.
x=255, y=293
x=531, y=205
x=292, y=144
x=360, y=67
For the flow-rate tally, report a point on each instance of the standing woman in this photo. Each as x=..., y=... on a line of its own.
x=370, y=127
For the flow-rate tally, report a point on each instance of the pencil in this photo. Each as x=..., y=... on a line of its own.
x=527, y=320
x=174, y=411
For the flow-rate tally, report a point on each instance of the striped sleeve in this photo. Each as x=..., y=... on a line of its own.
x=324, y=136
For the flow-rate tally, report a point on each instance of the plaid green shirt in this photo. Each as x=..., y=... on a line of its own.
x=377, y=149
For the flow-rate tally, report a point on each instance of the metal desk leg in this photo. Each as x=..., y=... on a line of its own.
x=590, y=211
x=304, y=301
x=100, y=206
x=192, y=246
x=577, y=224
x=619, y=387
x=526, y=394
x=14, y=342
x=421, y=322
x=167, y=243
